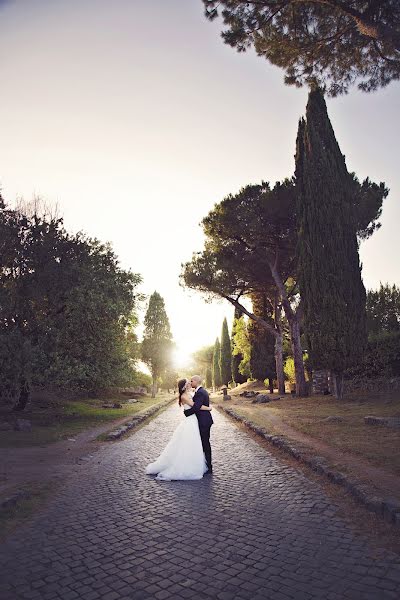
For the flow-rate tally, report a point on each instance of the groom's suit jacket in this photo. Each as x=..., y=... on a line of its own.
x=204, y=416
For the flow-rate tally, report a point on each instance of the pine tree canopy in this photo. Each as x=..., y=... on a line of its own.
x=329, y=42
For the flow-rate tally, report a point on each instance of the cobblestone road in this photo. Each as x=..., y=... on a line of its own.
x=258, y=529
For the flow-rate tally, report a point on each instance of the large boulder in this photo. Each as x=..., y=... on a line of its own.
x=261, y=399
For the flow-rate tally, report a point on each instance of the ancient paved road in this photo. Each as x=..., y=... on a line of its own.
x=258, y=529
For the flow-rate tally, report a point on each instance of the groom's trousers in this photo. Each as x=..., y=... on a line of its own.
x=205, y=440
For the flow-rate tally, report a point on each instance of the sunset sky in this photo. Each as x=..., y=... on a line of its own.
x=135, y=118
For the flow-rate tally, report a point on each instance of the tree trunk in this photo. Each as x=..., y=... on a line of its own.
x=24, y=395
x=271, y=385
x=337, y=380
x=301, y=384
x=154, y=387
x=294, y=325
x=279, y=364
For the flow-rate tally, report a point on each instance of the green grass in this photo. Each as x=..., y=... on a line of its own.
x=376, y=444
x=12, y=517
x=59, y=420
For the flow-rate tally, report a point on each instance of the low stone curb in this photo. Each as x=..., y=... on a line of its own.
x=135, y=421
x=387, y=508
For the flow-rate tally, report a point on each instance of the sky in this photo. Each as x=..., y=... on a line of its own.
x=135, y=118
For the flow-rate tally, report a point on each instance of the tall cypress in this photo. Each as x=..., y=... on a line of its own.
x=237, y=377
x=216, y=371
x=329, y=271
x=208, y=377
x=262, y=353
x=225, y=356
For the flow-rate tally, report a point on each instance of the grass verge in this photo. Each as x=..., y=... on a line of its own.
x=377, y=445
x=56, y=421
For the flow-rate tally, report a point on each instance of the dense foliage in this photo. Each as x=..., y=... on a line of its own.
x=262, y=343
x=237, y=355
x=383, y=310
x=381, y=358
x=67, y=309
x=330, y=42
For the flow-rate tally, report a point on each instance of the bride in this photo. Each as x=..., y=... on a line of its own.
x=182, y=457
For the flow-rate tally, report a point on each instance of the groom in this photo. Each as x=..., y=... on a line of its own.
x=203, y=416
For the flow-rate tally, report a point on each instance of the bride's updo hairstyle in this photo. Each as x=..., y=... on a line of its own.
x=181, y=389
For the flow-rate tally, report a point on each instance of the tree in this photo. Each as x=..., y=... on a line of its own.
x=383, y=310
x=218, y=275
x=225, y=357
x=328, y=42
x=237, y=356
x=242, y=347
x=202, y=358
x=157, y=339
x=67, y=310
x=169, y=379
x=251, y=248
x=262, y=343
x=329, y=270
x=208, y=377
x=216, y=369
x=255, y=229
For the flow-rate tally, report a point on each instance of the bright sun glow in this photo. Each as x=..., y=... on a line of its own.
x=181, y=356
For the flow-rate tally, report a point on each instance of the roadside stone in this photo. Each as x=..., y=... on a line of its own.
x=261, y=399
x=128, y=425
x=13, y=500
x=375, y=504
x=393, y=422
x=23, y=425
x=249, y=394
x=391, y=507
x=5, y=426
x=334, y=419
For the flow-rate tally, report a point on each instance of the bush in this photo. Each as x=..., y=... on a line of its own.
x=381, y=359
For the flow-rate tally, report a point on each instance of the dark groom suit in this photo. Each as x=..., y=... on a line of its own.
x=205, y=421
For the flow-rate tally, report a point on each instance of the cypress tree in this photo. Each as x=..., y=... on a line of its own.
x=157, y=339
x=331, y=287
x=225, y=356
x=208, y=376
x=237, y=377
x=216, y=371
x=262, y=353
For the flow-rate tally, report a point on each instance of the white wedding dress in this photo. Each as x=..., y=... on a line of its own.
x=183, y=456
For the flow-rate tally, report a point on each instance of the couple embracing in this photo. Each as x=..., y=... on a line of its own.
x=188, y=453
